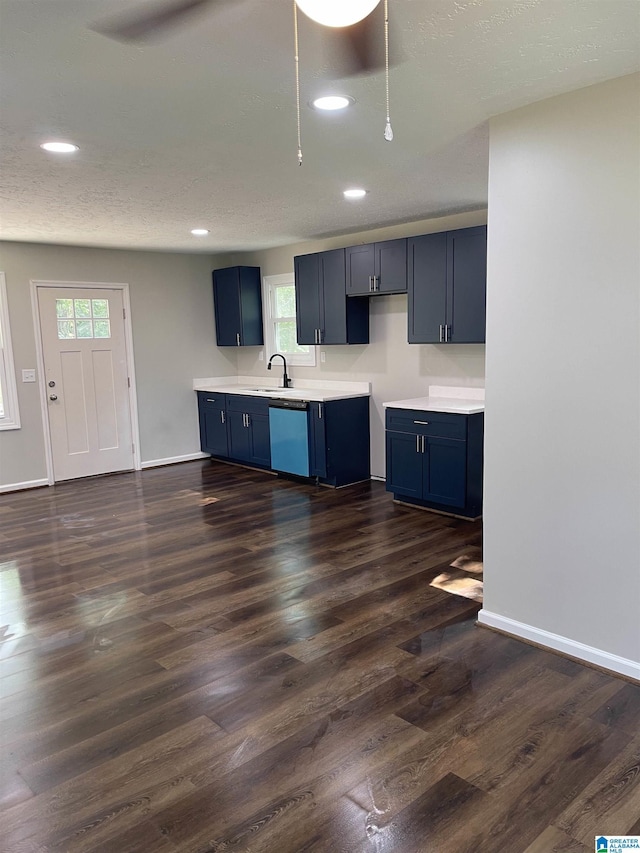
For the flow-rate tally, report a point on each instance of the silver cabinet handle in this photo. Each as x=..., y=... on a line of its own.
x=446, y=333
x=376, y=283
x=209, y=400
x=423, y=443
x=422, y=423
x=237, y=338
x=320, y=411
x=441, y=334
x=222, y=415
x=370, y=284
x=417, y=444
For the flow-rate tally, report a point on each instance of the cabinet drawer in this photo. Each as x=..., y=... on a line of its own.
x=427, y=423
x=208, y=398
x=249, y=405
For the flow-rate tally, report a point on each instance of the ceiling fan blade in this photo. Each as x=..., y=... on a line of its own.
x=150, y=20
x=362, y=47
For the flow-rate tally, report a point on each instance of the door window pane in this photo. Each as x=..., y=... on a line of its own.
x=64, y=308
x=100, y=308
x=101, y=329
x=66, y=329
x=84, y=328
x=82, y=308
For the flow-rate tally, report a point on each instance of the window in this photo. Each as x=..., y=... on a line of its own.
x=281, y=321
x=9, y=416
x=83, y=318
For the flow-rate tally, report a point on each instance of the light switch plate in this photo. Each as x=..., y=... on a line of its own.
x=28, y=375
x=323, y=357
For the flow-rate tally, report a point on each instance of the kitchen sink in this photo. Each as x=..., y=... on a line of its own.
x=277, y=392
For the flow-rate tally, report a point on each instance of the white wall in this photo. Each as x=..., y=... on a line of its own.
x=174, y=340
x=562, y=440
x=396, y=369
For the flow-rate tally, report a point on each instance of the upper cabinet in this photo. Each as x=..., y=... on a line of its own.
x=377, y=268
x=324, y=315
x=447, y=287
x=237, y=298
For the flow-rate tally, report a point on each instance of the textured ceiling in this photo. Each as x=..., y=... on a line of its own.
x=199, y=129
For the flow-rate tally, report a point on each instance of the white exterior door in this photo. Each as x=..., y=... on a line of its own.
x=86, y=377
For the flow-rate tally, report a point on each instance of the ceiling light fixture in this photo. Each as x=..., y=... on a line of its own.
x=354, y=193
x=60, y=147
x=332, y=102
x=199, y=232
x=337, y=13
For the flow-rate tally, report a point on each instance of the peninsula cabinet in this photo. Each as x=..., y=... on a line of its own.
x=324, y=315
x=377, y=268
x=447, y=287
x=339, y=441
x=237, y=298
x=213, y=423
x=434, y=460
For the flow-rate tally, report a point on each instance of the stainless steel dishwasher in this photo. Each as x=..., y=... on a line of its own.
x=289, y=436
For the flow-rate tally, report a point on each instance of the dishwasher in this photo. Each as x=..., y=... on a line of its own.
x=289, y=436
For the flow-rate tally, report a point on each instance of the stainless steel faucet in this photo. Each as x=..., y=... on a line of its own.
x=286, y=382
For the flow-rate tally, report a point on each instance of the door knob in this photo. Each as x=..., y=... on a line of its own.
x=53, y=396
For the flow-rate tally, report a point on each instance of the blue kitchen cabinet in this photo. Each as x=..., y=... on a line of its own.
x=213, y=423
x=339, y=444
x=248, y=420
x=237, y=298
x=447, y=287
x=377, y=268
x=434, y=460
x=323, y=313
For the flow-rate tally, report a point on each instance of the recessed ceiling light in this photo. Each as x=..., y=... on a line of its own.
x=332, y=102
x=60, y=147
x=199, y=232
x=355, y=193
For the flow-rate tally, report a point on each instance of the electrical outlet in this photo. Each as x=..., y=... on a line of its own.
x=322, y=356
x=261, y=355
x=28, y=376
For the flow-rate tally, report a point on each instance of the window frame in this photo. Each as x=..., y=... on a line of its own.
x=10, y=419
x=270, y=285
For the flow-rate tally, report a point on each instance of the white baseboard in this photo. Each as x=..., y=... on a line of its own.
x=378, y=479
x=173, y=460
x=28, y=484
x=589, y=654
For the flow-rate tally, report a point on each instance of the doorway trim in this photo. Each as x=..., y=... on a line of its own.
x=37, y=284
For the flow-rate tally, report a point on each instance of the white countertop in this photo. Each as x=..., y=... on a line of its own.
x=443, y=398
x=313, y=390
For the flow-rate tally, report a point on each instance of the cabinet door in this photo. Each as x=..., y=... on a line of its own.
x=404, y=464
x=251, y=333
x=467, y=285
x=213, y=425
x=427, y=301
x=239, y=436
x=259, y=446
x=391, y=266
x=227, y=306
x=445, y=466
x=307, y=283
x=317, y=440
x=333, y=322
x=360, y=269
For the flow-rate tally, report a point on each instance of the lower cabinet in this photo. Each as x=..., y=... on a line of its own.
x=236, y=427
x=434, y=460
x=248, y=419
x=213, y=423
x=339, y=444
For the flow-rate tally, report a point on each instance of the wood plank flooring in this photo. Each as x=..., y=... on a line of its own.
x=206, y=658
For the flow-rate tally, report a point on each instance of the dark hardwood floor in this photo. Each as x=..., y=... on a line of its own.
x=206, y=658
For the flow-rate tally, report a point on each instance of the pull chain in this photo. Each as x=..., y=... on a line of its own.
x=297, y=62
x=388, y=132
